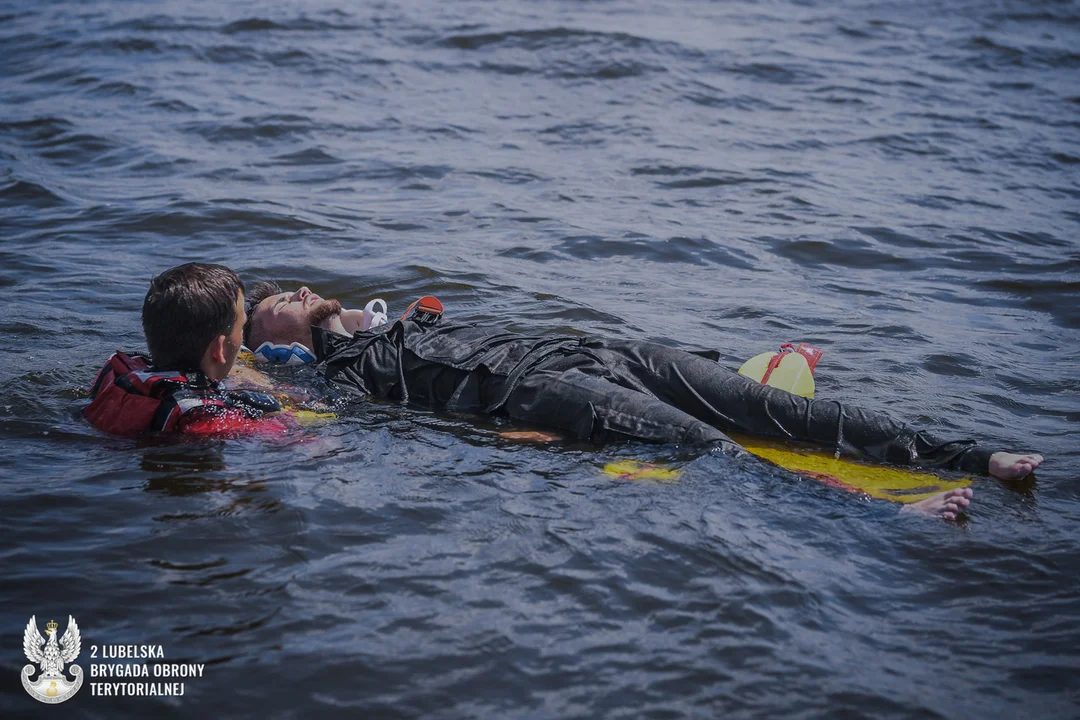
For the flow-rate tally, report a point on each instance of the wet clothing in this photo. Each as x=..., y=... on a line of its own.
x=130, y=397
x=597, y=389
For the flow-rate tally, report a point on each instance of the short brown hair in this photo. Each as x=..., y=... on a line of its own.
x=185, y=308
x=260, y=290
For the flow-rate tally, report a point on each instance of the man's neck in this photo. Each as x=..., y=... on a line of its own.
x=334, y=324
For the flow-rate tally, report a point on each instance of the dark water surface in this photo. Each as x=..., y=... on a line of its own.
x=896, y=182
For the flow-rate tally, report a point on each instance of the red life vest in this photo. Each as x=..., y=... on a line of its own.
x=130, y=397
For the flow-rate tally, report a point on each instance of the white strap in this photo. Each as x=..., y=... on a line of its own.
x=374, y=318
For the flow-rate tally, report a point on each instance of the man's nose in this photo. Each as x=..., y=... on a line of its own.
x=300, y=294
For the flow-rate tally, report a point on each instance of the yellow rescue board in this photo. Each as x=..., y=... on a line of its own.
x=887, y=483
x=634, y=470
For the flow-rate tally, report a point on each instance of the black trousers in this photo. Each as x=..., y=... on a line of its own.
x=636, y=390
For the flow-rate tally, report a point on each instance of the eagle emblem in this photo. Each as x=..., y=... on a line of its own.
x=51, y=685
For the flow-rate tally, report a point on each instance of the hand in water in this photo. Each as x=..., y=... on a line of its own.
x=529, y=436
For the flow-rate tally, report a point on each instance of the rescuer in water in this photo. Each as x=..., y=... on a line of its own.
x=193, y=318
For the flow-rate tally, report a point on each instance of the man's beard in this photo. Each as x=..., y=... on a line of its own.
x=323, y=311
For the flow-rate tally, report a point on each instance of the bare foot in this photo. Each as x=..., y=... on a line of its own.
x=946, y=504
x=1008, y=466
x=529, y=436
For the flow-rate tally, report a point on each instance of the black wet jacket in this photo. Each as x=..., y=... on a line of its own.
x=442, y=365
x=598, y=389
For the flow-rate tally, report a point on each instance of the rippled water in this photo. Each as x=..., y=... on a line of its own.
x=896, y=182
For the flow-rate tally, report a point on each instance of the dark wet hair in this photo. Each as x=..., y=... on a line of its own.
x=185, y=308
x=259, y=292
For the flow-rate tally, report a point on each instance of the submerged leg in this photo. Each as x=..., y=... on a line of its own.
x=593, y=408
x=732, y=402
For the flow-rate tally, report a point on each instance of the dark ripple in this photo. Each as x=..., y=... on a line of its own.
x=710, y=181
x=254, y=128
x=544, y=38
x=201, y=218
x=121, y=89
x=697, y=251
x=1060, y=299
x=229, y=54
x=375, y=170
x=38, y=131
x=844, y=252
x=779, y=74
x=894, y=237
x=957, y=365
x=1032, y=239
x=912, y=143
x=746, y=103
x=309, y=156
x=156, y=23
x=20, y=192
x=303, y=24
x=588, y=52
x=173, y=106
x=994, y=53
x=695, y=177
x=511, y=176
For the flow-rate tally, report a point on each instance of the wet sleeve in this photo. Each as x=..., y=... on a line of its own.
x=962, y=455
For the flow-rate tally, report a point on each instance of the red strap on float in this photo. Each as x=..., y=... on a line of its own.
x=811, y=353
x=774, y=362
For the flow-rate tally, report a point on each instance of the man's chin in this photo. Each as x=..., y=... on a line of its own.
x=324, y=313
x=327, y=315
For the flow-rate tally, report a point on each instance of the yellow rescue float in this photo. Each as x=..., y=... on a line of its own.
x=791, y=369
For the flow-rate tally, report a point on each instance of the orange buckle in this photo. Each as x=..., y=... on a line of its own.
x=426, y=304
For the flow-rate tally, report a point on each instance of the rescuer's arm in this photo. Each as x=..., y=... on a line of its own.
x=229, y=422
x=245, y=377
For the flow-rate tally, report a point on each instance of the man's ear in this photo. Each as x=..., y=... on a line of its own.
x=217, y=350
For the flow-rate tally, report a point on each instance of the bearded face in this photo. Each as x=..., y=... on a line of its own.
x=287, y=317
x=323, y=311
